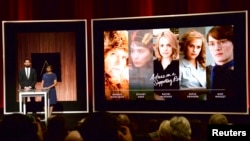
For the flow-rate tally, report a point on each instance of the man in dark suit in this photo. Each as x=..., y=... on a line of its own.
x=221, y=74
x=27, y=80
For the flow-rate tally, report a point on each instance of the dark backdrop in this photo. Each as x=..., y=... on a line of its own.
x=89, y=9
x=41, y=60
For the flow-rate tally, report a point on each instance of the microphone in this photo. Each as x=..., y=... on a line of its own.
x=45, y=63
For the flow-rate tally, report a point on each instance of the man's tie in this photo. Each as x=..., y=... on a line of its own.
x=27, y=72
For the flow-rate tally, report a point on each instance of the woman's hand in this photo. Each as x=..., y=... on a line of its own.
x=45, y=88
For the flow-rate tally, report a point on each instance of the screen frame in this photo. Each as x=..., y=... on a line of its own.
x=237, y=18
x=10, y=29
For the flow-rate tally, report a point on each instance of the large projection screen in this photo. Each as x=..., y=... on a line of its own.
x=116, y=91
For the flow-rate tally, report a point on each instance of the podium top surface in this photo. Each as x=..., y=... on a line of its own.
x=33, y=91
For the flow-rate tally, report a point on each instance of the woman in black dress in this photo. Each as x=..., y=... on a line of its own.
x=166, y=66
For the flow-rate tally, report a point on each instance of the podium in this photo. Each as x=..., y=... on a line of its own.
x=34, y=93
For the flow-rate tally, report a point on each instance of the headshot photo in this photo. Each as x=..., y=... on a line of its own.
x=193, y=61
x=116, y=65
x=141, y=64
x=166, y=64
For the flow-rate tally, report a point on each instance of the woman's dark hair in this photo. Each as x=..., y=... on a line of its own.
x=142, y=38
x=51, y=67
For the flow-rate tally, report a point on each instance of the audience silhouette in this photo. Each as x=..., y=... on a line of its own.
x=19, y=127
x=99, y=126
x=56, y=129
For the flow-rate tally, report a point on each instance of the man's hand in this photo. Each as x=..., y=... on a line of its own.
x=27, y=88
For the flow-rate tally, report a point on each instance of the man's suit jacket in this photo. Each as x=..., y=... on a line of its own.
x=24, y=81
